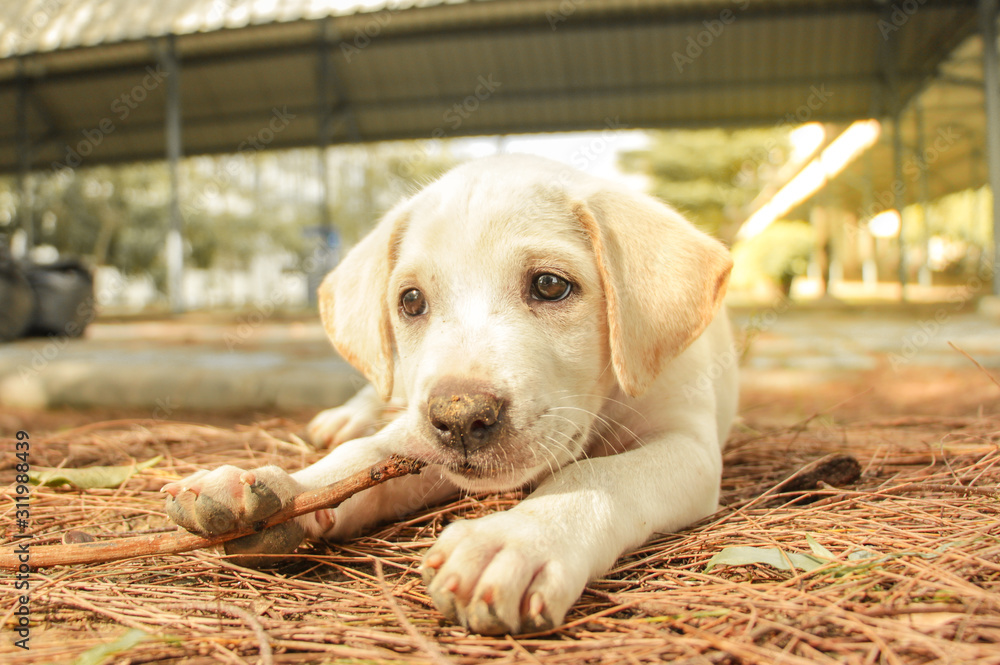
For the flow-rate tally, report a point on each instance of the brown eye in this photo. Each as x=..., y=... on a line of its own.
x=413, y=303
x=550, y=287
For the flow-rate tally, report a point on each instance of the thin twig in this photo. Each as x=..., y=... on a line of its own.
x=176, y=542
x=263, y=639
x=429, y=647
x=976, y=363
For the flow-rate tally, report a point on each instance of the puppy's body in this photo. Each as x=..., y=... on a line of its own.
x=531, y=326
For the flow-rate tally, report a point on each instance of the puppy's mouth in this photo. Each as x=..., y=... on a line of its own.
x=472, y=471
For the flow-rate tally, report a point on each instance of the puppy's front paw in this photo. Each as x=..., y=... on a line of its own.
x=332, y=427
x=210, y=503
x=500, y=574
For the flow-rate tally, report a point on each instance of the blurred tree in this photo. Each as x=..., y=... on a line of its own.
x=110, y=215
x=375, y=177
x=235, y=207
x=711, y=175
x=779, y=253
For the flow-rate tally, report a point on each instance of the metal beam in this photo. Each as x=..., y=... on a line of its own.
x=349, y=113
x=991, y=78
x=512, y=126
x=537, y=25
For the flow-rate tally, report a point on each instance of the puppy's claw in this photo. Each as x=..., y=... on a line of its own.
x=537, y=619
x=181, y=509
x=430, y=567
x=485, y=619
x=443, y=596
x=259, y=500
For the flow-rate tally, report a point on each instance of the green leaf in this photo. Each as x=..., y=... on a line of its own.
x=91, y=477
x=818, y=550
x=100, y=653
x=861, y=555
x=771, y=556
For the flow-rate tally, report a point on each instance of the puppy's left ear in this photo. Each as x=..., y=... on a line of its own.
x=663, y=280
x=354, y=307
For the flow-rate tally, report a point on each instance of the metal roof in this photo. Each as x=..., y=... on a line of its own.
x=250, y=70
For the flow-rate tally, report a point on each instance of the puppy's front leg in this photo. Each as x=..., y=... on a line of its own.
x=360, y=416
x=522, y=569
x=390, y=500
x=213, y=502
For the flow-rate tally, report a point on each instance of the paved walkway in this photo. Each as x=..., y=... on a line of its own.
x=170, y=365
x=861, y=339
x=199, y=363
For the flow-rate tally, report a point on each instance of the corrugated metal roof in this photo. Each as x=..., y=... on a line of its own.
x=414, y=69
x=37, y=26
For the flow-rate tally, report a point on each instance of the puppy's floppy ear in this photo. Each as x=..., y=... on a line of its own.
x=354, y=303
x=663, y=280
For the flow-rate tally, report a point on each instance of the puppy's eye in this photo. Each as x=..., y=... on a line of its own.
x=413, y=303
x=550, y=287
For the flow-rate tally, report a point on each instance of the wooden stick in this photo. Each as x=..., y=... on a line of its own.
x=175, y=542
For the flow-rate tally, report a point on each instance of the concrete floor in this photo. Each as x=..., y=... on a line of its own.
x=211, y=363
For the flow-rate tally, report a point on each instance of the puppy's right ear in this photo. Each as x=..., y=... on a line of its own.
x=354, y=303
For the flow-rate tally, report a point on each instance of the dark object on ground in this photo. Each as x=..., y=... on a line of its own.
x=835, y=470
x=17, y=301
x=44, y=299
x=64, y=298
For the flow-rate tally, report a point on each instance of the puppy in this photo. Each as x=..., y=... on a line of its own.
x=522, y=324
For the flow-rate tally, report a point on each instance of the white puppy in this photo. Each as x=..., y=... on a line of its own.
x=533, y=326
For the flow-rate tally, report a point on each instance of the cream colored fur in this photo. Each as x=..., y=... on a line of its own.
x=616, y=403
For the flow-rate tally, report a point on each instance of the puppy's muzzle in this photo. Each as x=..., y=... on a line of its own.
x=465, y=418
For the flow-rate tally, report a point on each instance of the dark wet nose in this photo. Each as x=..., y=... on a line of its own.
x=465, y=417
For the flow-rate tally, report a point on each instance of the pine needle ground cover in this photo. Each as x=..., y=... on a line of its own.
x=900, y=565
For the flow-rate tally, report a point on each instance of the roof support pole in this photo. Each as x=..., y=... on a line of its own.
x=991, y=84
x=897, y=170
x=893, y=106
x=324, y=136
x=172, y=131
x=897, y=174
x=324, y=122
x=924, y=278
x=25, y=213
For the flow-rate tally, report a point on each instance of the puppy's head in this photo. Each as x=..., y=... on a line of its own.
x=510, y=301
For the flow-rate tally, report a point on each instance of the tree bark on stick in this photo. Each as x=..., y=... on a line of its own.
x=175, y=542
